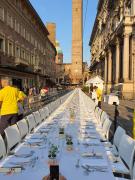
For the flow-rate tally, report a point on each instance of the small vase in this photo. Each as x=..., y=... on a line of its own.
x=69, y=147
x=61, y=135
x=52, y=162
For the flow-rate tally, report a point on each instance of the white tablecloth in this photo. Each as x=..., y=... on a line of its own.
x=67, y=160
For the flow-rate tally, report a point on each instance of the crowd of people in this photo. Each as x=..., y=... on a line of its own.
x=13, y=100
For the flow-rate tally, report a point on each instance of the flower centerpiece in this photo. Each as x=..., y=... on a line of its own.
x=69, y=143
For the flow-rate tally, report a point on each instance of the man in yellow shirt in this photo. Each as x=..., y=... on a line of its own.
x=8, y=104
x=99, y=95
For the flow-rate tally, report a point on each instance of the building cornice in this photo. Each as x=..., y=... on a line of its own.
x=29, y=5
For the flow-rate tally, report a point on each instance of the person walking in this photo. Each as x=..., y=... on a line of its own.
x=8, y=104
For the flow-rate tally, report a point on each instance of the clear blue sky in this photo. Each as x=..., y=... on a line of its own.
x=60, y=12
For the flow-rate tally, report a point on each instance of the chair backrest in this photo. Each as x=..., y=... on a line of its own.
x=12, y=136
x=2, y=147
x=126, y=150
x=31, y=122
x=106, y=127
x=46, y=111
x=42, y=114
x=37, y=117
x=133, y=172
x=51, y=107
x=103, y=117
x=23, y=128
x=118, y=135
x=99, y=114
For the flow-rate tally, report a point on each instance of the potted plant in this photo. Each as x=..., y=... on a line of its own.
x=53, y=151
x=69, y=143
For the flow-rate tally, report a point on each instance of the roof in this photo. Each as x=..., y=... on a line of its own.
x=100, y=2
x=37, y=16
x=96, y=79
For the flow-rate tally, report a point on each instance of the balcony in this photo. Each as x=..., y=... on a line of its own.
x=21, y=62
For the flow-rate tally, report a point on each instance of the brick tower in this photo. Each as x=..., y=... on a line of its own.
x=77, y=40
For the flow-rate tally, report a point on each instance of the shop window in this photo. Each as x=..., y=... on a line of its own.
x=23, y=54
x=9, y=20
x=17, y=26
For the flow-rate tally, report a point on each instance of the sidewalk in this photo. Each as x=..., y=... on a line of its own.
x=125, y=118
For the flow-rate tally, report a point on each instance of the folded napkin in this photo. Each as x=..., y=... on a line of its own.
x=94, y=162
x=92, y=155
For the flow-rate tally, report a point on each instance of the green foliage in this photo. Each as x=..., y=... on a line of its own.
x=85, y=89
x=53, y=151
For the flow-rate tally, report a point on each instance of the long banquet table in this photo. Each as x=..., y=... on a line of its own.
x=73, y=164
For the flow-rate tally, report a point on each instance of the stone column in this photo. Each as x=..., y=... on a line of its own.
x=105, y=70
x=134, y=76
x=133, y=7
x=117, y=60
x=126, y=58
x=109, y=66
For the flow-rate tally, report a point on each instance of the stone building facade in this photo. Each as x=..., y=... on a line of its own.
x=113, y=45
x=51, y=27
x=26, y=53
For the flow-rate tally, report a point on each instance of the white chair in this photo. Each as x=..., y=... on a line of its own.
x=42, y=114
x=46, y=111
x=116, y=141
x=126, y=152
x=103, y=117
x=99, y=114
x=133, y=172
x=131, y=175
x=12, y=137
x=37, y=117
x=2, y=147
x=31, y=122
x=23, y=128
x=104, y=132
x=118, y=136
x=49, y=108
